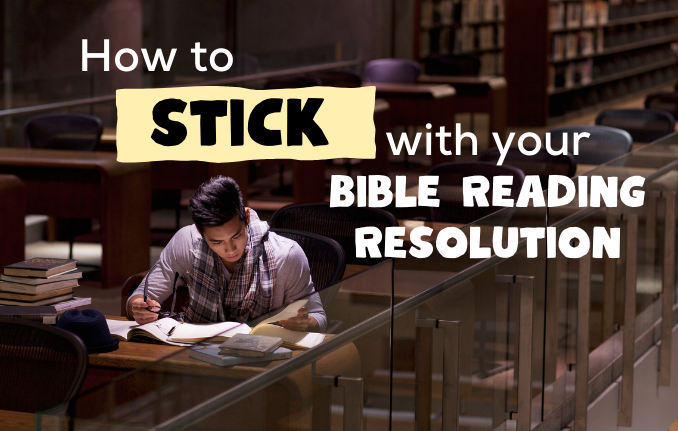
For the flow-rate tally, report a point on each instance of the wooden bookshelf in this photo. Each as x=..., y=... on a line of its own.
x=474, y=27
x=595, y=52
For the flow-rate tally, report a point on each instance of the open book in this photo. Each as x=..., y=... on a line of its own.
x=170, y=331
x=188, y=332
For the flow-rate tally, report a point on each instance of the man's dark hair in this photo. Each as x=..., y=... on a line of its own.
x=216, y=202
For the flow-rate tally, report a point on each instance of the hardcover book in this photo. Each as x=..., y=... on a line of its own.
x=44, y=314
x=40, y=267
x=67, y=275
x=211, y=354
x=250, y=345
x=7, y=286
x=32, y=298
x=47, y=301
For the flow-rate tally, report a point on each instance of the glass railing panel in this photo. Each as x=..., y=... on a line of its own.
x=143, y=385
x=473, y=292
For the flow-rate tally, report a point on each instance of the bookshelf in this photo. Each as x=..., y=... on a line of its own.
x=474, y=27
x=595, y=52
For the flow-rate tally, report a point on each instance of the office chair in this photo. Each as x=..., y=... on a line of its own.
x=451, y=65
x=336, y=223
x=326, y=261
x=644, y=125
x=450, y=193
x=391, y=70
x=663, y=101
x=604, y=144
x=65, y=131
x=542, y=163
x=43, y=367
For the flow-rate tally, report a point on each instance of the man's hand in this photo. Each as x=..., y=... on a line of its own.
x=139, y=312
x=301, y=322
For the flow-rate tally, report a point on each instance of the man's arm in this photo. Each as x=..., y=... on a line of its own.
x=295, y=277
x=176, y=257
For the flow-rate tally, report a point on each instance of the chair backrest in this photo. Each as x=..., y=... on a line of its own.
x=291, y=82
x=603, y=144
x=336, y=223
x=452, y=65
x=644, y=125
x=326, y=258
x=63, y=131
x=663, y=101
x=450, y=193
x=43, y=367
x=391, y=70
x=542, y=163
x=337, y=78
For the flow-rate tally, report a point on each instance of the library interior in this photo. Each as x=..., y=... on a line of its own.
x=197, y=295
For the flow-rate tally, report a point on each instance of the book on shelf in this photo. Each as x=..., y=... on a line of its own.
x=40, y=267
x=500, y=10
x=45, y=314
x=488, y=10
x=556, y=16
x=47, y=301
x=589, y=18
x=571, y=42
x=66, y=275
x=426, y=14
x=600, y=47
x=170, y=331
x=7, y=286
x=574, y=12
x=210, y=353
x=36, y=297
x=602, y=12
x=250, y=345
x=445, y=10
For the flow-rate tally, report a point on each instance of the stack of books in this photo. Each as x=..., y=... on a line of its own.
x=41, y=281
x=258, y=346
x=242, y=349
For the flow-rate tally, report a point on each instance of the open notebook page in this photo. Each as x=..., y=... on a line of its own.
x=198, y=332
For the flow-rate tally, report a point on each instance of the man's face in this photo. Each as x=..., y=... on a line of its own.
x=229, y=240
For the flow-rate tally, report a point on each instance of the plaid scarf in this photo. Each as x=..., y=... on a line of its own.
x=249, y=293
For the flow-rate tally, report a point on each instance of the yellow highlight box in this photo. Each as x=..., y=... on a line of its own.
x=346, y=118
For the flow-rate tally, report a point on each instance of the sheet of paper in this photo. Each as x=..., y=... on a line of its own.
x=121, y=327
x=302, y=339
x=290, y=311
x=191, y=331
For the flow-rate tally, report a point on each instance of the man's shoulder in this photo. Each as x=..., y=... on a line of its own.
x=185, y=236
x=285, y=248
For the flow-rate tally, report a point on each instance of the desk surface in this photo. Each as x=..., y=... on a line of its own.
x=433, y=91
x=56, y=158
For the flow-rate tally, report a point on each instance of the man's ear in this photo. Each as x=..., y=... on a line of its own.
x=247, y=215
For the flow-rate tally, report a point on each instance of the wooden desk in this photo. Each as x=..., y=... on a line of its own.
x=183, y=383
x=418, y=104
x=91, y=184
x=477, y=94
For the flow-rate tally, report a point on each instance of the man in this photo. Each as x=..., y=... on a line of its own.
x=234, y=267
